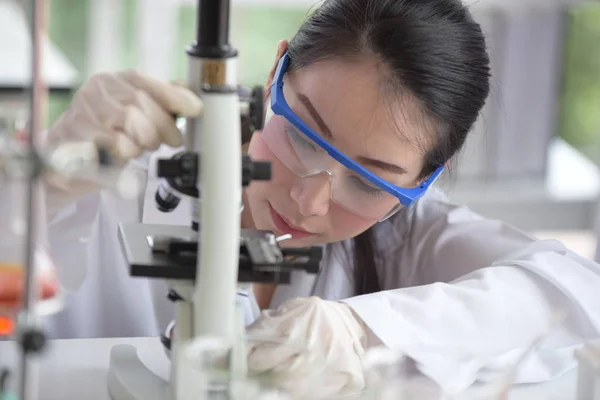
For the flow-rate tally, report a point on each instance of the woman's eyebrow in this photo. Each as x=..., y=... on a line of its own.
x=327, y=133
x=315, y=115
x=396, y=169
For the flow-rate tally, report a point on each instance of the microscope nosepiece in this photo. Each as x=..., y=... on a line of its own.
x=165, y=200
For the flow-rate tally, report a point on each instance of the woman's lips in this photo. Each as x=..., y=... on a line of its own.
x=285, y=227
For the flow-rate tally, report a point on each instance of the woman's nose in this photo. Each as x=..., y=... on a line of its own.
x=312, y=194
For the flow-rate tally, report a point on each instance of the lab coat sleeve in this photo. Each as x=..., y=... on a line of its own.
x=483, y=291
x=75, y=223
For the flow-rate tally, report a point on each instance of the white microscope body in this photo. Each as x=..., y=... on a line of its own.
x=205, y=263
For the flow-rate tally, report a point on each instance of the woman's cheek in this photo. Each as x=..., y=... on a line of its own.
x=347, y=224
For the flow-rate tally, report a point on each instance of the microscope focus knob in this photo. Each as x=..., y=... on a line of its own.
x=257, y=107
x=254, y=170
x=33, y=341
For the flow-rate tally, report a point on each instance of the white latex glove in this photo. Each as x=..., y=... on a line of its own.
x=128, y=112
x=327, y=330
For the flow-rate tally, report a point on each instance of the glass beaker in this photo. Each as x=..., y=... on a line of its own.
x=13, y=238
x=206, y=371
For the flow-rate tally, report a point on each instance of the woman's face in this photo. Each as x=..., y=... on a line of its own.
x=345, y=99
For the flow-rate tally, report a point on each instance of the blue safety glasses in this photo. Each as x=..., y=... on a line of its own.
x=279, y=106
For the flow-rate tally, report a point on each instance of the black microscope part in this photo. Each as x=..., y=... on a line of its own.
x=32, y=340
x=257, y=107
x=212, y=33
x=4, y=376
x=254, y=170
x=174, y=296
x=261, y=260
x=180, y=173
x=166, y=203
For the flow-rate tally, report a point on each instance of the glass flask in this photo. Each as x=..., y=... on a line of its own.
x=13, y=238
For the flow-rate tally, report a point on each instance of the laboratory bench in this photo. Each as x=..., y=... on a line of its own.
x=77, y=369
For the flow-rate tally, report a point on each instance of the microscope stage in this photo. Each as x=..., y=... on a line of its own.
x=144, y=262
x=171, y=252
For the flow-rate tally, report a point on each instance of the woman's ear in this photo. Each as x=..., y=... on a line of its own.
x=281, y=49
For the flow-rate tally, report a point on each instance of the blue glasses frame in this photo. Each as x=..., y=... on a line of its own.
x=279, y=105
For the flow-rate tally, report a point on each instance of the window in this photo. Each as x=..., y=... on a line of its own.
x=580, y=92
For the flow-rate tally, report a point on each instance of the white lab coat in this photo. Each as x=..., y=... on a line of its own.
x=463, y=295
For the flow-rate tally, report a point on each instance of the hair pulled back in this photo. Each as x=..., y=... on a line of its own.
x=431, y=49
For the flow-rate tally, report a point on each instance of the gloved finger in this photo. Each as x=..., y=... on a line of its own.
x=138, y=127
x=117, y=110
x=284, y=358
x=174, y=99
x=164, y=123
x=119, y=143
x=102, y=100
x=266, y=356
x=124, y=147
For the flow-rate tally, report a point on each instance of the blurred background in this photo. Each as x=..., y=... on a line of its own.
x=533, y=159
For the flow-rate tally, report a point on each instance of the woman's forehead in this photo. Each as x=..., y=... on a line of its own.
x=351, y=99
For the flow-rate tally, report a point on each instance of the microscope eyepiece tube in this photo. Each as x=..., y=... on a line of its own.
x=212, y=35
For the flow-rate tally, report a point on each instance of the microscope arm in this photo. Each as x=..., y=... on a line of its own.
x=206, y=261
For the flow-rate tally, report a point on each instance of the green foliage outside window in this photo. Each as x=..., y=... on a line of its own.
x=580, y=96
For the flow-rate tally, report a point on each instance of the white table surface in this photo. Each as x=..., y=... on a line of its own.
x=77, y=369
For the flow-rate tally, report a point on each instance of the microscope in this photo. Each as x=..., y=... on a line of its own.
x=205, y=263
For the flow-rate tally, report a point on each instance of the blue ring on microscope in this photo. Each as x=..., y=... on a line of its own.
x=279, y=105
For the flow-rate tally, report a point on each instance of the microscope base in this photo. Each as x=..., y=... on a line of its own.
x=130, y=379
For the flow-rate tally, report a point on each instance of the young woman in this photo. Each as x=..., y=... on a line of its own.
x=370, y=101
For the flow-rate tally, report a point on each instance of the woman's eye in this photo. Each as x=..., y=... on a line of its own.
x=365, y=187
x=299, y=139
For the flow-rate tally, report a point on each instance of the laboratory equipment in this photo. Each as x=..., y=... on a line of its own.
x=24, y=263
x=29, y=336
x=207, y=372
x=206, y=263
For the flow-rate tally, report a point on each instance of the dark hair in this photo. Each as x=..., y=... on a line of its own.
x=431, y=49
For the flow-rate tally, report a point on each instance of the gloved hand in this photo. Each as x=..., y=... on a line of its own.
x=127, y=112
x=329, y=332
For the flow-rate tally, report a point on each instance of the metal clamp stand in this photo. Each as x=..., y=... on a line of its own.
x=24, y=161
x=30, y=338
x=204, y=263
